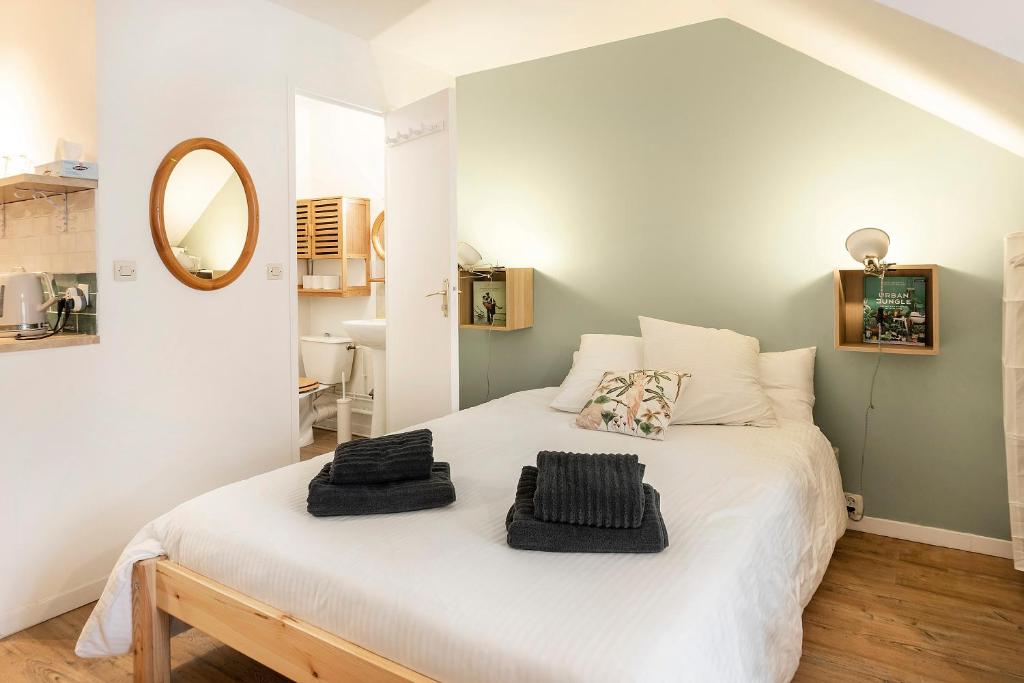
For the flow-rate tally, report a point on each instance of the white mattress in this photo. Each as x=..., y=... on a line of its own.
x=752, y=515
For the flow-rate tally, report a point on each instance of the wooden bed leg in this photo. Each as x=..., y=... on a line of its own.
x=151, y=635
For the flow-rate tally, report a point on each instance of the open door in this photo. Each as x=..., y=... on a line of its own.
x=421, y=278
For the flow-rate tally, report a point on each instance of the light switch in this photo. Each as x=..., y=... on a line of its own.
x=275, y=271
x=124, y=270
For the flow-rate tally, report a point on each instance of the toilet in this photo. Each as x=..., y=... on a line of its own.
x=327, y=359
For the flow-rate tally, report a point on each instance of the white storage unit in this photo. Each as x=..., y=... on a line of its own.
x=1013, y=386
x=362, y=414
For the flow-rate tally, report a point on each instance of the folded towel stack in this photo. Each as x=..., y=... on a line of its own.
x=582, y=503
x=394, y=473
x=395, y=457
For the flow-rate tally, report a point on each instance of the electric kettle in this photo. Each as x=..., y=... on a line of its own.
x=24, y=300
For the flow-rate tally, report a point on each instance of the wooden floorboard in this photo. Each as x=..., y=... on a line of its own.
x=887, y=610
x=324, y=440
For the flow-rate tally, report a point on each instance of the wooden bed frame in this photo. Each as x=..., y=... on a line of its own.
x=162, y=589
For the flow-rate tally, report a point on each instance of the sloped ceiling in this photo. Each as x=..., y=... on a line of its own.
x=995, y=24
x=978, y=86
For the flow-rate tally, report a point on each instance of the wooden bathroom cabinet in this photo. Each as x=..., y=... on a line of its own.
x=335, y=228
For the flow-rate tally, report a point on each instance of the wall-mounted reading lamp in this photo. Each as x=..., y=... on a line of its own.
x=869, y=246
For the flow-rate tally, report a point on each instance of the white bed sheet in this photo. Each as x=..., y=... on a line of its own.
x=752, y=514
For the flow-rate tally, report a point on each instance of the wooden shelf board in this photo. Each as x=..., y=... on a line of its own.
x=10, y=344
x=865, y=347
x=492, y=328
x=344, y=293
x=51, y=185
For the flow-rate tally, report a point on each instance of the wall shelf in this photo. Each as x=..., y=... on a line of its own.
x=518, y=297
x=849, y=311
x=343, y=293
x=21, y=188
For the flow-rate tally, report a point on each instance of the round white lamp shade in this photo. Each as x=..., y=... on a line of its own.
x=466, y=255
x=867, y=243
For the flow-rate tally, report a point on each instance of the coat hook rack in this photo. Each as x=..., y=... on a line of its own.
x=411, y=133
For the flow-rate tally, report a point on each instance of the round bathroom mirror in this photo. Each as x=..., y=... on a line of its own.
x=377, y=236
x=203, y=214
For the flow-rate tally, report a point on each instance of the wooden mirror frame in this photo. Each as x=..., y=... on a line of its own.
x=156, y=213
x=377, y=237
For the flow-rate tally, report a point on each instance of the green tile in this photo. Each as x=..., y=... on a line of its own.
x=86, y=324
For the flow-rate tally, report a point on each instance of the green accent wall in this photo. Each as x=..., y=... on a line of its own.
x=710, y=175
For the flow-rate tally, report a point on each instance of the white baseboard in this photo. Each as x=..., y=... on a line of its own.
x=25, y=616
x=945, y=538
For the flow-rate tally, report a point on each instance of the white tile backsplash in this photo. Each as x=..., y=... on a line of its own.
x=32, y=237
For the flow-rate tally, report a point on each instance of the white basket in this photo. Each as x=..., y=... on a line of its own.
x=1015, y=468
x=1013, y=334
x=1013, y=275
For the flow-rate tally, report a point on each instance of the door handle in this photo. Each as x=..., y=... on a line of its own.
x=443, y=293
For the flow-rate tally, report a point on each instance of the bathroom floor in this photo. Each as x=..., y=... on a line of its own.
x=324, y=440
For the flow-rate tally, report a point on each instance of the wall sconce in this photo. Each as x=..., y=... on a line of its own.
x=868, y=246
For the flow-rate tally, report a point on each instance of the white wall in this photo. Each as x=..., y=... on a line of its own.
x=188, y=390
x=47, y=77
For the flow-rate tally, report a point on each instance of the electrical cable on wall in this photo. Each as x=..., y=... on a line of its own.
x=871, y=395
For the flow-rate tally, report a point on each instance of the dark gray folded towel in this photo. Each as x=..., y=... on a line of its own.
x=327, y=499
x=601, y=489
x=526, y=532
x=395, y=457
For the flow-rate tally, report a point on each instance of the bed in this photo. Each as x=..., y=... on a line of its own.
x=753, y=515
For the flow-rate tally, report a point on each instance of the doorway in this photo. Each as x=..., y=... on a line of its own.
x=339, y=186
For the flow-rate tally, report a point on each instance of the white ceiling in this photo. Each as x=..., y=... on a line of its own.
x=996, y=24
x=363, y=18
x=939, y=70
x=451, y=35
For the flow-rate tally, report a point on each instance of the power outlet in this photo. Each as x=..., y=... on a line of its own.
x=854, y=506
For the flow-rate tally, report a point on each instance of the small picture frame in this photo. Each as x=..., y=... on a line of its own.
x=489, y=303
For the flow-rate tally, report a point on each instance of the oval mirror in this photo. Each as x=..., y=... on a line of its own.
x=377, y=235
x=203, y=214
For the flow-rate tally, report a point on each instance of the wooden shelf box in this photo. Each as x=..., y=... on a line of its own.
x=518, y=297
x=849, y=311
x=335, y=228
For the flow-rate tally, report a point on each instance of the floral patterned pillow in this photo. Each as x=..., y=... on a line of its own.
x=637, y=403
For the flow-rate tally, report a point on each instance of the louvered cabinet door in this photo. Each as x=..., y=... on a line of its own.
x=326, y=218
x=303, y=241
x=357, y=228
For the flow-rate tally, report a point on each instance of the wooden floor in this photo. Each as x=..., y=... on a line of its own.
x=323, y=440
x=887, y=610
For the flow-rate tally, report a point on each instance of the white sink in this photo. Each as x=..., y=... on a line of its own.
x=371, y=333
x=367, y=332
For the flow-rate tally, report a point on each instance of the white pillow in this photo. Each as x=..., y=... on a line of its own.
x=598, y=354
x=788, y=379
x=724, y=387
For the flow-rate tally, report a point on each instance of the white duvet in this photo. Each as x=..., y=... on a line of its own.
x=752, y=516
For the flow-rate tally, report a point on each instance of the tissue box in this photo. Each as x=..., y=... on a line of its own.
x=64, y=168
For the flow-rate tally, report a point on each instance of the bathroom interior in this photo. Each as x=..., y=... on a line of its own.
x=340, y=256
